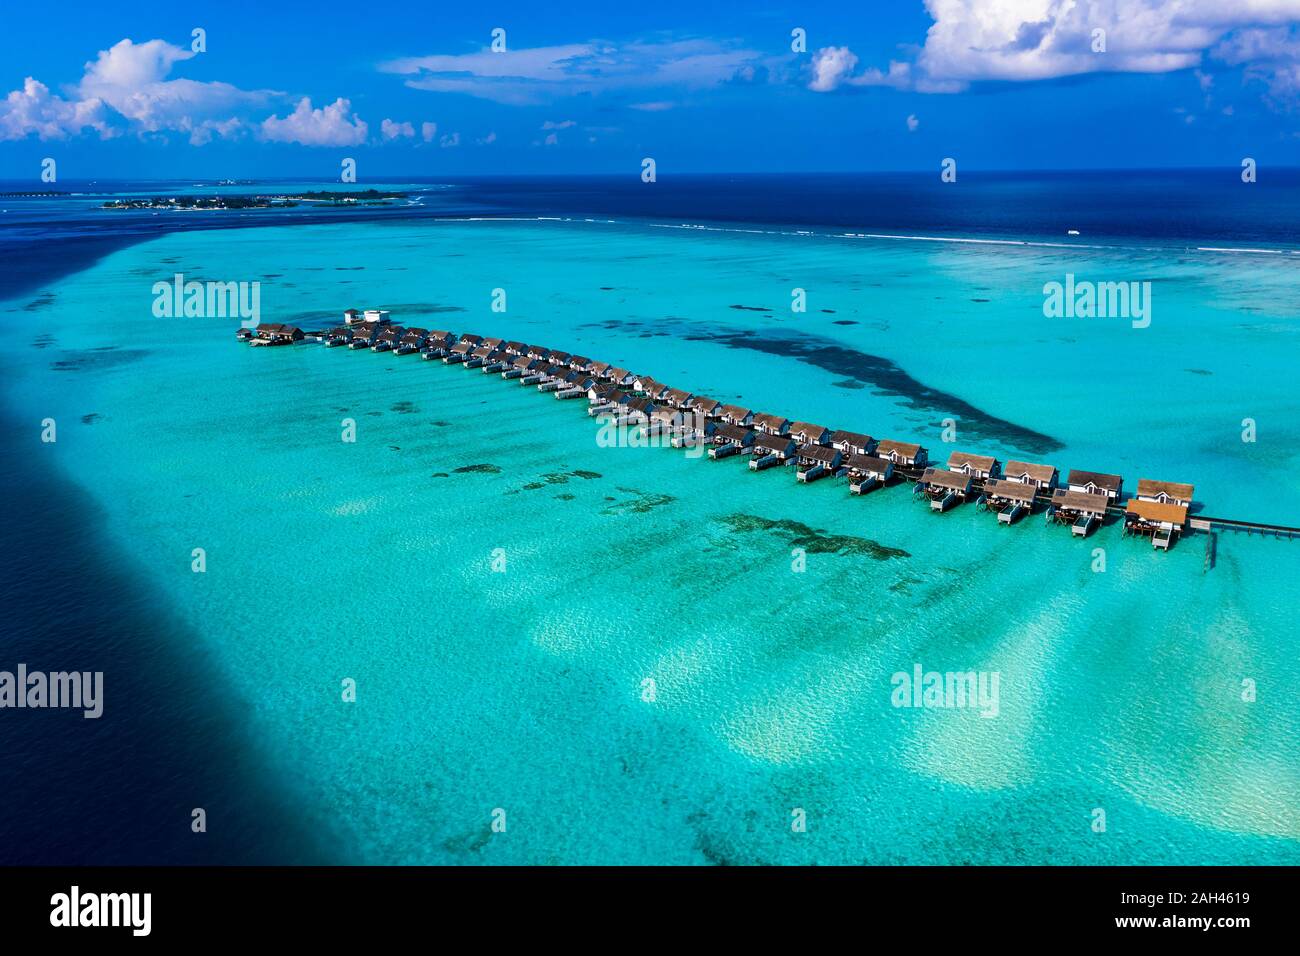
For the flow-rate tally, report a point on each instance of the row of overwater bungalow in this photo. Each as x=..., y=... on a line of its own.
x=1011, y=491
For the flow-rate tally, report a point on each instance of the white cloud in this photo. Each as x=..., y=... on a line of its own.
x=390, y=129
x=541, y=74
x=33, y=110
x=654, y=106
x=551, y=140
x=912, y=123
x=488, y=139
x=563, y=124
x=132, y=79
x=428, y=131
x=447, y=142
x=1025, y=40
x=327, y=126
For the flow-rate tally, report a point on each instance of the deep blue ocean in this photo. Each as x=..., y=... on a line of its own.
x=94, y=794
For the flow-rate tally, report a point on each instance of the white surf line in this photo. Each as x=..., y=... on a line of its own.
x=808, y=233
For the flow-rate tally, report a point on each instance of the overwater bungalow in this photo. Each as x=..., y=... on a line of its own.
x=677, y=398
x=477, y=356
x=1163, y=520
x=1165, y=492
x=521, y=365
x=1081, y=510
x=494, y=344
x=704, y=407
x=551, y=376
x=389, y=337
x=944, y=488
x=1042, y=477
x=243, y=334
x=735, y=415
x=619, y=376
x=516, y=348
x=581, y=363
x=573, y=384
x=772, y=450
x=339, y=336
x=364, y=335
x=867, y=472
x=648, y=387
x=663, y=420
x=978, y=467
x=497, y=361
x=1096, y=483
x=695, y=430
x=770, y=424
x=1009, y=499
x=1159, y=509
x=637, y=411
x=600, y=369
x=461, y=350
x=378, y=316
x=728, y=439
x=808, y=434
x=276, y=333
x=437, y=344
x=352, y=316
x=607, y=400
x=817, y=461
x=559, y=358
x=538, y=352
x=852, y=443
x=902, y=454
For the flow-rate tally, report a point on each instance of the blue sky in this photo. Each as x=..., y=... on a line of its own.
x=414, y=88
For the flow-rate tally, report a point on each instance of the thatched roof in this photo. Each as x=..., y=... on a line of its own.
x=1024, y=469
x=900, y=448
x=1011, y=490
x=870, y=464
x=1112, y=483
x=976, y=462
x=1148, y=488
x=1157, y=511
x=1080, y=501
x=942, y=478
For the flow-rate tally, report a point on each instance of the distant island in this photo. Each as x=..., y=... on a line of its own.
x=30, y=194
x=365, y=197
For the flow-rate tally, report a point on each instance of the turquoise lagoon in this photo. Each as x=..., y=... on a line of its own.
x=525, y=688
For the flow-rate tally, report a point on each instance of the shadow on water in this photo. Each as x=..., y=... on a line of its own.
x=119, y=789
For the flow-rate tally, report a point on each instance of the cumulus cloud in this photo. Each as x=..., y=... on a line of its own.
x=1024, y=40
x=132, y=79
x=428, y=131
x=332, y=125
x=390, y=129
x=450, y=141
x=541, y=74
x=562, y=124
x=488, y=139
x=912, y=123
x=33, y=110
